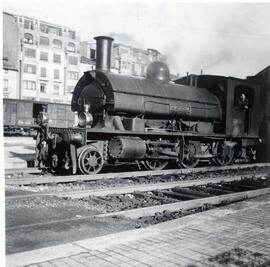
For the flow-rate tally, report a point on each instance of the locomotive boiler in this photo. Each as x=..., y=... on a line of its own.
x=151, y=121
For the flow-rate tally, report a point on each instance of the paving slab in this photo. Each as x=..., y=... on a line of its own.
x=233, y=235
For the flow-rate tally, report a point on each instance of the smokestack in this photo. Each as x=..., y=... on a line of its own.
x=103, y=53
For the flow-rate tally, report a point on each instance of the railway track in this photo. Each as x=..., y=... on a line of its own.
x=77, y=194
x=160, y=202
x=39, y=179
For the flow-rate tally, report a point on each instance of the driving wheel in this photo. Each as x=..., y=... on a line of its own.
x=155, y=164
x=189, y=159
x=90, y=161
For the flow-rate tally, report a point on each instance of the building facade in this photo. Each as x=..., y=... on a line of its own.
x=48, y=62
x=133, y=61
x=10, y=57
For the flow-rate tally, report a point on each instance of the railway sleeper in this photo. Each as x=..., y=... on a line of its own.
x=247, y=187
x=228, y=187
x=191, y=192
x=217, y=191
x=179, y=196
x=163, y=200
x=251, y=182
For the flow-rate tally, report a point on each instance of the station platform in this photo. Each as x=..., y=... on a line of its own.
x=18, y=151
x=234, y=235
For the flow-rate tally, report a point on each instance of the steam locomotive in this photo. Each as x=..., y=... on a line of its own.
x=151, y=121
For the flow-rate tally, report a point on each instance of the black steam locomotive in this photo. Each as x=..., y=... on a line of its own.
x=152, y=121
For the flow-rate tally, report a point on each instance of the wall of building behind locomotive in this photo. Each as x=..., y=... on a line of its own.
x=23, y=113
x=263, y=79
x=153, y=98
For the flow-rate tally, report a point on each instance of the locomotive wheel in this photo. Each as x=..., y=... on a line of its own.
x=90, y=161
x=189, y=160
x=155, y=164
x=225, y=157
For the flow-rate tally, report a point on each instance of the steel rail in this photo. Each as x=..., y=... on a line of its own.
x=123, y=175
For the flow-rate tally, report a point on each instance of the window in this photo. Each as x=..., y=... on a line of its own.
x=29, y=52
x=243, y=95
x=28, y=24
x=56, y=74
x=73, y=60
x=124, y=51
x=57, y=43
x=5, y=85
x=133, y=68
x=43, y=88
x=29, y=85
x=73, y=75
x=70, y=88
x=44, y=41
x=43, y=28
x=142, y=70
x=28, y=68
x=28, y=38
x=71, y=47
x=125, y=65
x=55, y=30
x=92, y=53
x=43, y=72
x=44, y=56
x=71, y=34
x=56, y=58
x=56, y=88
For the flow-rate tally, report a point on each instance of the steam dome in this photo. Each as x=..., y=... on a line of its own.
x=158, y=70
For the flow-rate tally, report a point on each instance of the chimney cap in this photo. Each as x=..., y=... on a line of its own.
x=103, y=37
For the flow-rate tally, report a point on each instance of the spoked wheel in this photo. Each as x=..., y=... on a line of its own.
x=189, y=160
x=155, y=164
x=90, y=161
x=225, y=155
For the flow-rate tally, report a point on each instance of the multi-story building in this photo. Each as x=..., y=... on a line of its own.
x=49, y=60
x=133, y=61
x=43, y=61
x=10, y=57
x=88, y=56
x=125, y=59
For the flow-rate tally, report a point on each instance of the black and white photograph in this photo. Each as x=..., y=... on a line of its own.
x=135, y=133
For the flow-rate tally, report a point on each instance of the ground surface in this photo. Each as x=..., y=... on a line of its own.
x=18, y=151
x=233, y=235
x=47, y=209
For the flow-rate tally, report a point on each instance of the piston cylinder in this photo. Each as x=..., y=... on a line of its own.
x=127, y=148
